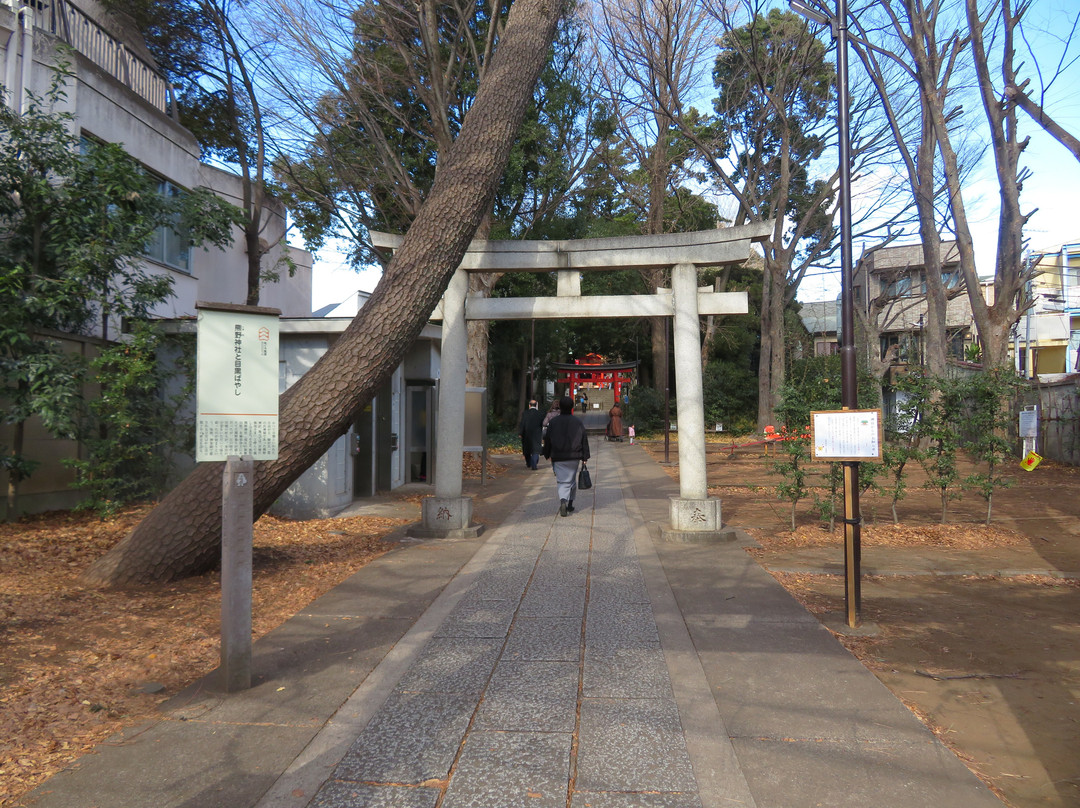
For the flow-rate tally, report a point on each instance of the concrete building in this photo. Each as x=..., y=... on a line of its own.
x=391, y=442
x=896, y=278
x=1047, y=339
x=115, y=94
x=822, y=320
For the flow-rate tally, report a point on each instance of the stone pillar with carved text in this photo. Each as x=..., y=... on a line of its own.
x=448, y=514
x=694, y=516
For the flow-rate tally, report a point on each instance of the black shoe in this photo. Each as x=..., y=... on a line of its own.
x=562, y=507
x=570, y=506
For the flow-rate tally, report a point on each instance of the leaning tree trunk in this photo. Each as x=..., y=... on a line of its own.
x=182, y=535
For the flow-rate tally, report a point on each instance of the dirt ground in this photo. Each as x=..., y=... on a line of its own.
x=990, y=660
x=78, y=664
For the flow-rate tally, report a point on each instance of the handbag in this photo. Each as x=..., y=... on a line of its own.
x=584, y=480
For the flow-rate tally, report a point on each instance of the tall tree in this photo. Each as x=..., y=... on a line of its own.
x=994, y=34
x=912, y=64
x=768, y=127
x=937, y=45
x=651, y=53
x=394, y=100
x=182, y=535
x=1032, y=99
x=206, y=49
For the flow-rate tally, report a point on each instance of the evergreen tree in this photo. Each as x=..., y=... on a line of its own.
x=75, y=218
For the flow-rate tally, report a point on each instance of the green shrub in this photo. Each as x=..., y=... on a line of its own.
x=646, y=410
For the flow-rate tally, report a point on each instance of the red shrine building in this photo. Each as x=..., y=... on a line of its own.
x=593, y=372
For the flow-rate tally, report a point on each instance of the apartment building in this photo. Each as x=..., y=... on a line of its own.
x=892, y=280
x=1048, y=335
x=115, y=94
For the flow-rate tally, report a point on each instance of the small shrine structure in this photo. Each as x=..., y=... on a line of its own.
x=593, y=371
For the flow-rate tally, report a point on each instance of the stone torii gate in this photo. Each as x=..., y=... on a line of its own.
x=694, y=515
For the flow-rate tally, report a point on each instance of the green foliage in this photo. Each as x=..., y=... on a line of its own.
x=75, y=218
x=185, y=42
x=730, y=395
x=829, y=506
x=939, y=425
x=130, y=431
x=17, y=466
x=646, y=409
x=812, y=384
x=894, y=460
x=504, y=439
x=372, y=159
x=775, y=91
x=791, y=465
x=990, y=398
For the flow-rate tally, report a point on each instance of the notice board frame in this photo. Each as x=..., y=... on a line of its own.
x=846, y=435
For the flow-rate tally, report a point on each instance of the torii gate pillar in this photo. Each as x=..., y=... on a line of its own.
x=448, y=514
x=694, y=516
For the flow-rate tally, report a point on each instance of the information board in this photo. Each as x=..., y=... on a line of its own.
x=475, y=437
x=846, y=435
x=1029, y=422
x=237, y=383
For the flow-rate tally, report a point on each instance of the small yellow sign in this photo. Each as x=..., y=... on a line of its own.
x=1030, y=462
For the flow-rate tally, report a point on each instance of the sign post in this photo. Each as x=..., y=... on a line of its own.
x=1029, y=429
x=849, y=436
x=236, y=421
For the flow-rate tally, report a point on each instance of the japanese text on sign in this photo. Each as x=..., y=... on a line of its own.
x=846, y=435
x=237, y=385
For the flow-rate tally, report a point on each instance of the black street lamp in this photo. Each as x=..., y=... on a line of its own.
x=849, y=397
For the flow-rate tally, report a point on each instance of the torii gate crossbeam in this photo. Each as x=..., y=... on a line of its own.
x=694, y=515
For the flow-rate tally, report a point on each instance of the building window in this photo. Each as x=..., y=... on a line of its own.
x=900, y=287
x=171, y=244
x=1071, y=273
x=908, y=348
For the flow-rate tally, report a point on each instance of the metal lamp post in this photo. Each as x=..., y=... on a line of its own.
x=848, y=374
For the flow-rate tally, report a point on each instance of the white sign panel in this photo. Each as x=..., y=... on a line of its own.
x=1029, y=423
x=237, y=384
x=846, y=435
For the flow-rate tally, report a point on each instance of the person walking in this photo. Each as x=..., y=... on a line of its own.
x=566, y=444
x=551, y=413
x=614, y=427
x=532, y=432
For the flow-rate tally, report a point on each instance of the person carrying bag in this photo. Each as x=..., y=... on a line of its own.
x=566, y=444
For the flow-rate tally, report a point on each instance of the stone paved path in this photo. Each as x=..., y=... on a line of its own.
x=545, y=681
